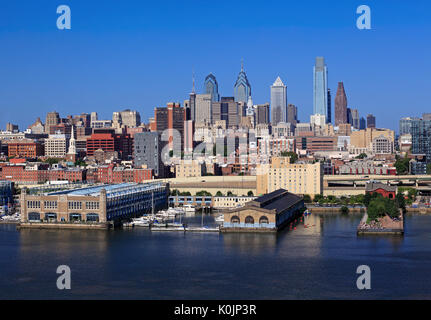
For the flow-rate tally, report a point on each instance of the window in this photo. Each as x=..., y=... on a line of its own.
x=235, y=220
x=50, y=204
x=75, y=205
x=249, y=220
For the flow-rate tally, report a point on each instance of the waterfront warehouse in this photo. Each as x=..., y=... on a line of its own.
x=268, y=213
x=92, y=207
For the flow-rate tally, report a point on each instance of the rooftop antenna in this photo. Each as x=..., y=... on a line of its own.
x=193, y=90
x=242, y=64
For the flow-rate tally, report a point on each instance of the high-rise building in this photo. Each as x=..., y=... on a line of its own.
x=170, y=118
x=362, y=123
x=406, y=125
x=292, y=114
x=262, y=113
x=189, y=130
x=228, y=110
x=56, y=146
x=320, y=89
x=426, y=116
x=203, y=106
x=147, y=152
x=52, y=119
x=94, y=116
x=371, y=121
x=211, y=87
x=242, y=88
x=278, y=102
x=340, y=105
x=354, y=114
x=329, y=113
x=421, y=138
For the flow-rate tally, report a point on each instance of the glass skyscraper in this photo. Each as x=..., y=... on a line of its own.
x=421, y=138
x=278, y=102
x=211, y=87
x=242, y=88
x=320, y=90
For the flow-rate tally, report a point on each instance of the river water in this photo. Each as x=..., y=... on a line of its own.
x=317, y=260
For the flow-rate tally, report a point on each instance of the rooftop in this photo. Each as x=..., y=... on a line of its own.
x=111, y=189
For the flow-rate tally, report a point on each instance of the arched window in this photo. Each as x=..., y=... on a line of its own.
x=34, y=216
x=92, y=217
x=234, y=219
x=74, y=217
x=249, y=220
x=263, y=220
x=51, y=216
x=391, y=196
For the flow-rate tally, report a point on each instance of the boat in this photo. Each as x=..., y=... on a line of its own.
x=219, y=218
x=189, y=209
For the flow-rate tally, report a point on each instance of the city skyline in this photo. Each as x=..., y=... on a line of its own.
x=84, y=70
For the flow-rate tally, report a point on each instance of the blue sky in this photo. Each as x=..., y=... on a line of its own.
x=139, y=54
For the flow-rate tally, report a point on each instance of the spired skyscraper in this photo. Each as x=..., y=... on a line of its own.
x=320, y=89
x=340, y=105
x=211, y=87
x=242, y=88
x=278, y=102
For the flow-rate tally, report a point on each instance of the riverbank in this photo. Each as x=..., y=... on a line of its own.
x=385, y=225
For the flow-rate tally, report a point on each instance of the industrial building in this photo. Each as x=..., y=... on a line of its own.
x=101, y=206
x=268, y=213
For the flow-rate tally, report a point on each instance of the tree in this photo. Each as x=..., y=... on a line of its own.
x=203, y=193
x=429, y=168
x=362, y=156
x=175, y=192
x=318, y=198
x=307, y=198
x=344, y=210
x=402, y=165
x=292, y=155
x=250, y=193
x=219, y=194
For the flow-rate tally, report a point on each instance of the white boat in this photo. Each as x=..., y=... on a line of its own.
x=219, y=218
x=189, y=209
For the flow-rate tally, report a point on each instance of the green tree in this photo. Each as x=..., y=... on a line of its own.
x=362, y=156
x=250, y=193
x=429, y=168
x=318, y=198
x=402, y=165
x=344, y=210
x=203, y=193
x=292, y=155
x=307, y=198
x=219, y=194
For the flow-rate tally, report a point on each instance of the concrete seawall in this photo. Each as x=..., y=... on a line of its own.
x=64, y=226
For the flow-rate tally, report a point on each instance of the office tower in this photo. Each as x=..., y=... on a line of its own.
x=371, y=121
x=228, y=110
x=56, y=145
x=211, y=87
x=130, y=118
x=278, y=102
x=421, y=138
x=147, y=152
x=292, y=114
x=170, y=118
x=354, y=115
x=242, y=88
x=426, y=116
x=320, y=88
x=52, y=119
x=189, y=130
x=406, y=125
x=203, y=106
x=262, y=113
x=362, y=123
x=329, y=113
x=349, y=116
x=340, y=105
x=94, y=116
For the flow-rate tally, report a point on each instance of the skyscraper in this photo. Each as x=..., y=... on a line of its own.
x=211, y=87
x=320, y=89
x=371, y=121
x=421, y=138
x=355, y=118
x=292, y=114
x=242, y=88
x=362, y=123
x=340, y=105
x=278, y=102
x=329, y=114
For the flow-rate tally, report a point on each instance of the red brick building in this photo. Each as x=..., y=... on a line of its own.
x=385, y=190
x=110, y=142
x=25, y=149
